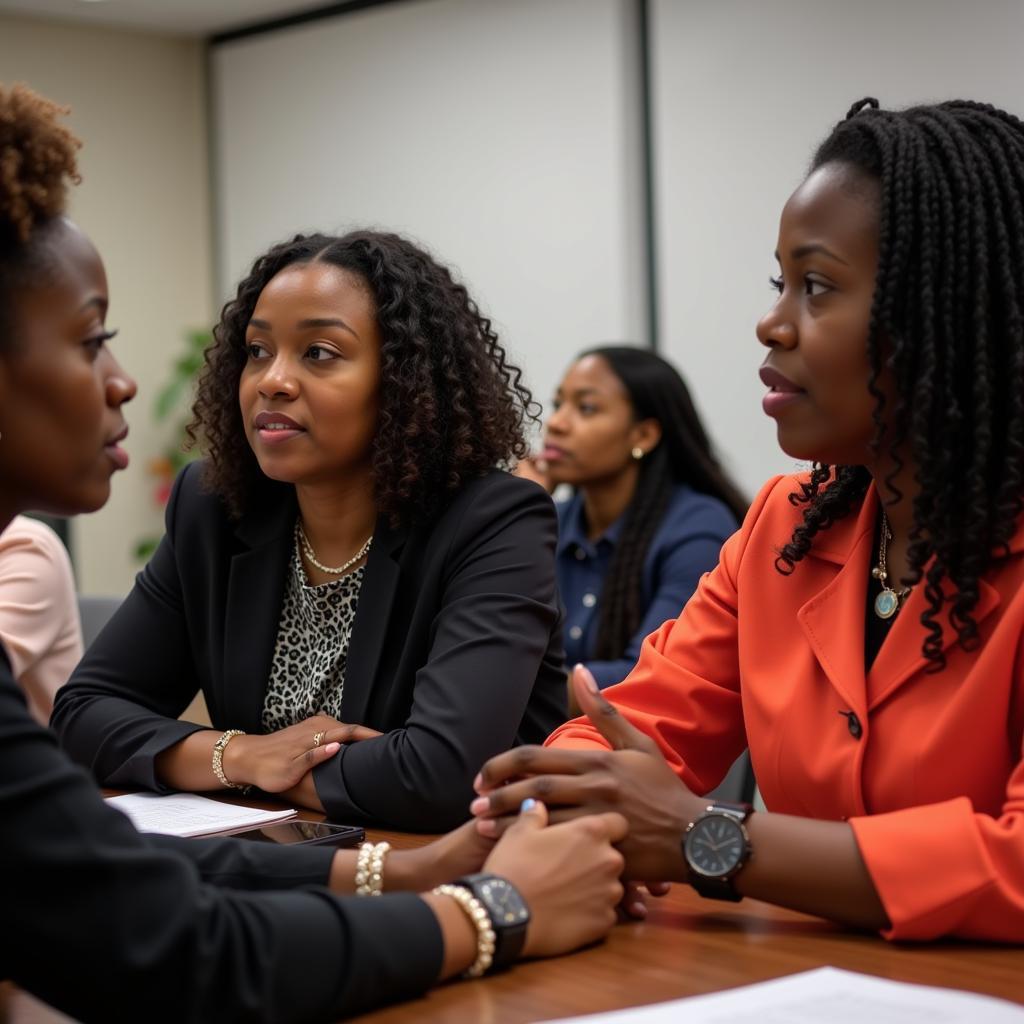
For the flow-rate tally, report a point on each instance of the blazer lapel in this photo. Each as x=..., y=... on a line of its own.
x=833, y=620
x=900, y=657
x=255, y=592
x=373, y=613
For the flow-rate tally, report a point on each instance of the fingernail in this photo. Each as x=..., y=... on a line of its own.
x=639, y=910
x=527, y=805
x=588, y=678
x=332, y=748
x=479, y=805
x=487, y=827
x=478, y=782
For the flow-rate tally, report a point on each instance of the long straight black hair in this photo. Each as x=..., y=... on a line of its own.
x=683, y=455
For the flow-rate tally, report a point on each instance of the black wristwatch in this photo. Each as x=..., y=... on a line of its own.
x=507, y=910
x=716, y=846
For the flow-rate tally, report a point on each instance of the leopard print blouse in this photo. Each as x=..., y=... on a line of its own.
x=307, y=674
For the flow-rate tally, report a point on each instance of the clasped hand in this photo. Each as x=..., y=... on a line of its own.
x=632, y=779
x=279, y=761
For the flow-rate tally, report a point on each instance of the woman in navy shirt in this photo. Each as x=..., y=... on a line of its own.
x=651, y=508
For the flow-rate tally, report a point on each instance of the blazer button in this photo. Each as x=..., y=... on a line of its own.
x=853, y=724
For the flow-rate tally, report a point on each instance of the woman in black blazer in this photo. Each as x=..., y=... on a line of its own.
x=353, y=391
x=107, y=924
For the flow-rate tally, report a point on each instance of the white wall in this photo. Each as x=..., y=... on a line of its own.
x=504, y=134
x=501, y=134
x=137, y=104
x=744, y=91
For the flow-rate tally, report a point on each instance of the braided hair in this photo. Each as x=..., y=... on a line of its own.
x=683, y=455
x=452, y=406
x=37, y=159
x=947, y=321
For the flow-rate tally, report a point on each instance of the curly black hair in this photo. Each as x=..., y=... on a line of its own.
x=947, y=320
x=38, y=157
x=454, y=407
x=683, y=455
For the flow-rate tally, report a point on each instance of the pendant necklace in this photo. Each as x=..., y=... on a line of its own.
x=888, y=602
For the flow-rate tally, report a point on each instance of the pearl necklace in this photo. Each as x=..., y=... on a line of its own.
x=307, y=549
x=888, y=602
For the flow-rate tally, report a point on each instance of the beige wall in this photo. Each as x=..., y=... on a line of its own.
x=137, y=104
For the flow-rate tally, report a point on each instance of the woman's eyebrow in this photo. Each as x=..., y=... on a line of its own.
x=813, y=247
x=317, y=321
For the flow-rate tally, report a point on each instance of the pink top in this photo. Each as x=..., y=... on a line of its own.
x=39, y=623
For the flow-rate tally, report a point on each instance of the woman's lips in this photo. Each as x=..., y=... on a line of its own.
x=276, y=428
x=117, y=454
x=552, y=453
x=782, y=391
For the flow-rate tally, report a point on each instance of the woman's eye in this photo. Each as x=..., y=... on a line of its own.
x=255, y=350
x=814, y=288
x=321, y=354
x=776, y=284
x=96, y=341
x=586, y=409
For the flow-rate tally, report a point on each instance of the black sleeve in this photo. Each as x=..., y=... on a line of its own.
x=105, y=924
x=120, y=708
x=490, y=634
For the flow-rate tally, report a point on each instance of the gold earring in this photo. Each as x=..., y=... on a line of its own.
x=638, y=453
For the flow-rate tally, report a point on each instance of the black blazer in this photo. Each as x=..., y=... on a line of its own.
x=455, y=651
x=109, y=925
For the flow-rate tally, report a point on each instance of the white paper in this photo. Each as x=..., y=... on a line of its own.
x=826, y=994
x=186, y=814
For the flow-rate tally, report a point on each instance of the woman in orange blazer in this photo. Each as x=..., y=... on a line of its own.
x=863, y=632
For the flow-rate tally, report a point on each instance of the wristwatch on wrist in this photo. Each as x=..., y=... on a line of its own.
x=716, y=846
x=507, y=910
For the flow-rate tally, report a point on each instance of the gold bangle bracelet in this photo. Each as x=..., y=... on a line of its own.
x=217, y=761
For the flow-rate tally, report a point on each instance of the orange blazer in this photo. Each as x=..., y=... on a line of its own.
x=932, y=782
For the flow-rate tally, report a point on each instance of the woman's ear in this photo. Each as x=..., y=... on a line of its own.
x=646, y=435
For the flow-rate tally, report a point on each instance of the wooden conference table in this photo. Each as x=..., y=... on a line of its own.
x=687, y=946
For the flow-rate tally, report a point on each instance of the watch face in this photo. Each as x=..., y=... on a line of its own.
x=715, y=845
x=503, y=902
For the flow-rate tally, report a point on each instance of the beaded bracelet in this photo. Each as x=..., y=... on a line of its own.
x=370, y=868
x=481, y=920
x=217, y=761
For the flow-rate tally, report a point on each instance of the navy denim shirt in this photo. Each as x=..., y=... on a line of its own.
x=685, y=547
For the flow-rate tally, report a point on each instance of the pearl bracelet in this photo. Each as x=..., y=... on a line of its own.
x=217, y=760
x=370, y=868
x=481, y=920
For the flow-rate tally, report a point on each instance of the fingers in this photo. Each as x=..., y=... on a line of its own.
x=595, y=791
x=533, y=816
x=633, y=904
x=534, y=760
x=351, y=734
x=604, y=715
x=317, y=755
x=615, y=825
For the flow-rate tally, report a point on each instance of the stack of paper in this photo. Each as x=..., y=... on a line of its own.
x=827, y=994
x=185, y=814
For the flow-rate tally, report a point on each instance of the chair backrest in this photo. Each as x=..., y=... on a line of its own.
x=95, y=610
x=738, y=785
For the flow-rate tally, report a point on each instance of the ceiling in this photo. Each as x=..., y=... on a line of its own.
x=182, y=17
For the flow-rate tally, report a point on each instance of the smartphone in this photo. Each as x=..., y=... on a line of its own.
x=308, y=833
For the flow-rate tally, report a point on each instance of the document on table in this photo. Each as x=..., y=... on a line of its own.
x=840, y=997
x=186, y=814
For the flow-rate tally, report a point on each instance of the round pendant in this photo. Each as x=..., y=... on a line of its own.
x=887, y=604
